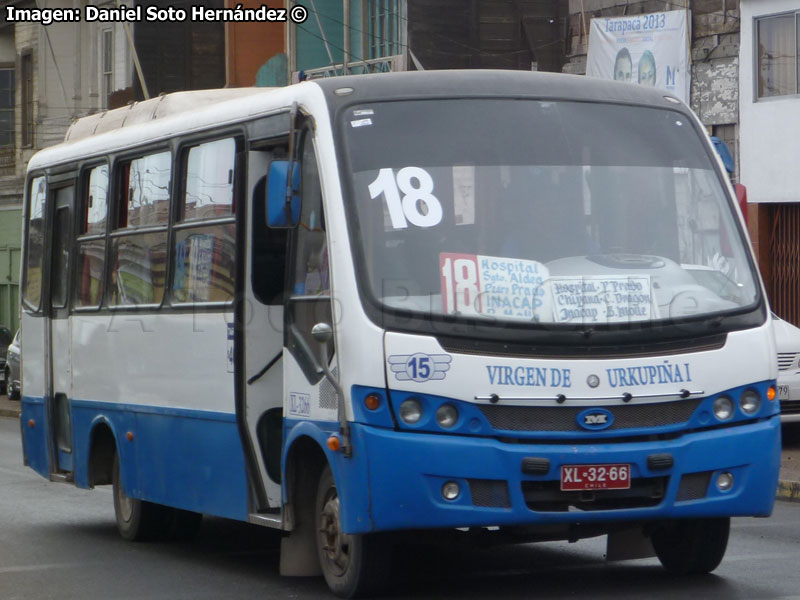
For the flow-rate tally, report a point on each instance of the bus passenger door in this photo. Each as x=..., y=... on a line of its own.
x=58, y=354
x=265, y=265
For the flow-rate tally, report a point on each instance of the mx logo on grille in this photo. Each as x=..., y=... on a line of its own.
x=595, y=419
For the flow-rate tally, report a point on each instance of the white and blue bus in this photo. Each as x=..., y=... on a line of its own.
x=367, y=305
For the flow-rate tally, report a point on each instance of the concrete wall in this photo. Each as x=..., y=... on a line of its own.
x=7, y=52
x=770, y=127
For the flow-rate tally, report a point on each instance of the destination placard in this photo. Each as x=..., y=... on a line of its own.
x=601, y=299
x=492, y=285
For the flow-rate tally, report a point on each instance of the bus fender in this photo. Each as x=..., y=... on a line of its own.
x=350, y=473
x=92, y=460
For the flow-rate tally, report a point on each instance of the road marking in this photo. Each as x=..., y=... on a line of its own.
x=24, y=568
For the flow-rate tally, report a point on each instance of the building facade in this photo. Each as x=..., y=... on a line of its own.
x=347, y=37
x=770, y=134
x=48, y=76
x=714, y=50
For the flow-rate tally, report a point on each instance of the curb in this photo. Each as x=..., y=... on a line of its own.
x=788, y=491
x=8, y=412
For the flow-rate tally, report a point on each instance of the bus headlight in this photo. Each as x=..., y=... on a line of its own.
x=411, y=411
x=750, y=402
x=447, y=415
x=723, y=408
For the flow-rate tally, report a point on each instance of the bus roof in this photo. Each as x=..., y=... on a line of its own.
x=171, y=114
x=160, y=118
x=162, y=106
x=489, y=83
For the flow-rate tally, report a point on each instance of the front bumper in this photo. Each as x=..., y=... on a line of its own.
x=406, y=472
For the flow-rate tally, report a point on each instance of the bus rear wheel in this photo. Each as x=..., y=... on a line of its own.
x=138, y=520
x=353, y=565
x=692, y=546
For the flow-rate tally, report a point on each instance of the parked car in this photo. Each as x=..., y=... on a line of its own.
x=12, y=368
x=787, y=338
x=5, y=340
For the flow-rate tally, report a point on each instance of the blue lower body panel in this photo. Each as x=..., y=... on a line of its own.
x=407, y=472
x=183, y=458
x=35, y=447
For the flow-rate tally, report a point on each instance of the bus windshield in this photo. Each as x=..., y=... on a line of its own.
x=548, y=212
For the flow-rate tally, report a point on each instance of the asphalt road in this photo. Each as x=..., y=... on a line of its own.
x=60, y=543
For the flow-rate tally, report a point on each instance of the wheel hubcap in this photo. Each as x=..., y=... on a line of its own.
x=335, y=544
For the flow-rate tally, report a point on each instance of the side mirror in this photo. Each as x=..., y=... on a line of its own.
x=724, y=153
x=283, y=198
x=322, y=333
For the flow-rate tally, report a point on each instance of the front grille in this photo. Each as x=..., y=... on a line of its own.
x=547, y=496
x=563, y=418
x=786, y=360
x=790, y=407
x=694, y=486
x=492, y=493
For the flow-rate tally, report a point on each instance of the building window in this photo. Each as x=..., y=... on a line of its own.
x=383, y=23
x=108, y=64
x=776, y=48
x=26, y=81
x=7, y=107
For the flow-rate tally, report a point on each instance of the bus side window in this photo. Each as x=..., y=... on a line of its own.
x=138, y=258
x=34, y=247
x=311, y=251
x=91, y=250
x=204, y=251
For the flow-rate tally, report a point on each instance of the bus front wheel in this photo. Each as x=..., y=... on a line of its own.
x=137, y=520
x=691, y=546
x=353, y=565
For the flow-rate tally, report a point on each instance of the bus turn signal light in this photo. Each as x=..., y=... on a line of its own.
x=334, y=443
x=771, y=393
x=372, y=401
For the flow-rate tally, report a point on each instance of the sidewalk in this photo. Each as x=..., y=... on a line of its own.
x=788, y=486
x=9, y=408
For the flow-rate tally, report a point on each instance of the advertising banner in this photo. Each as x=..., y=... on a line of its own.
x=649, y=49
